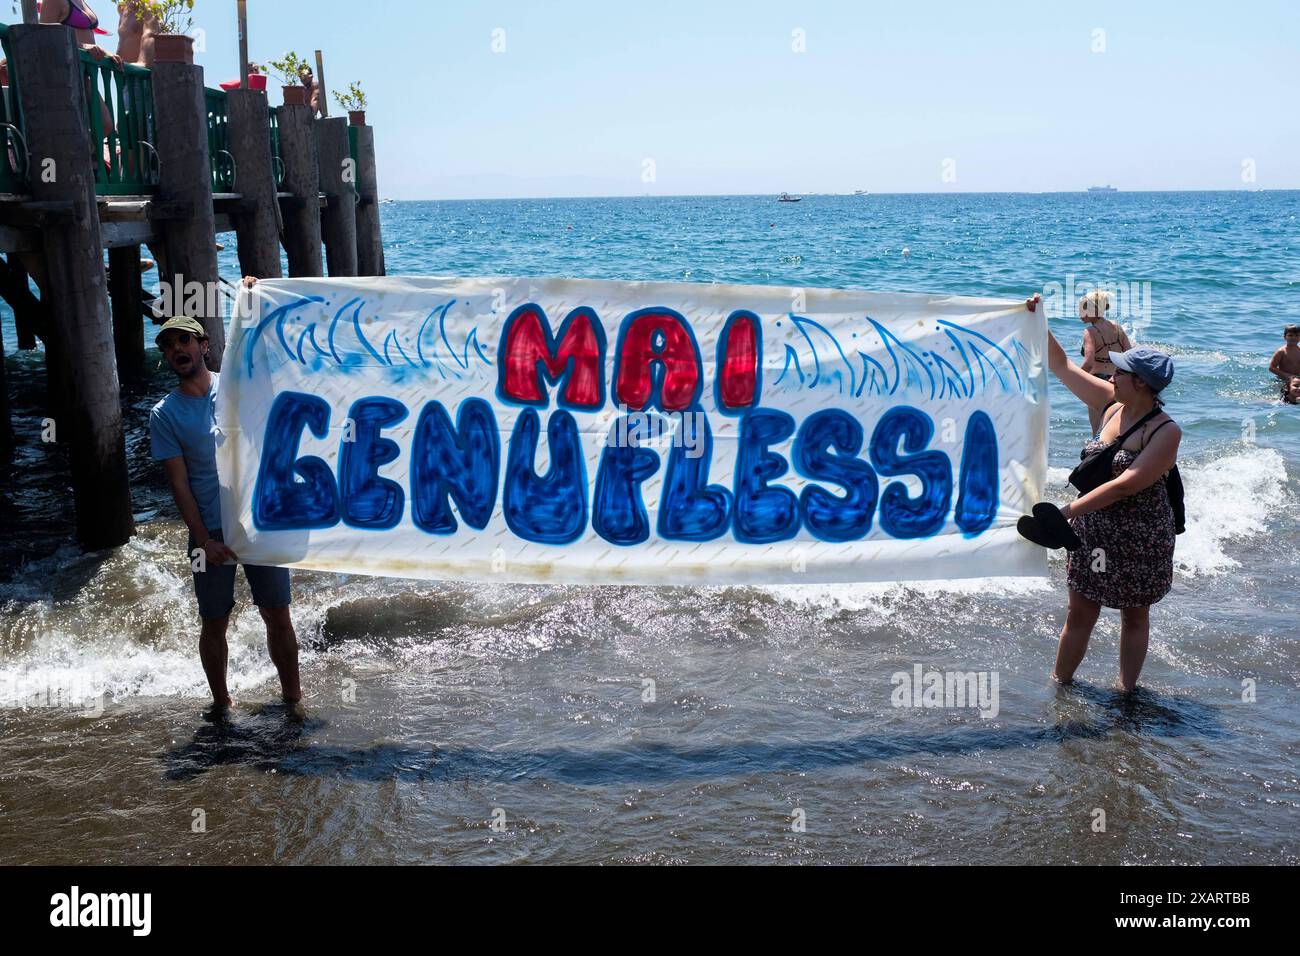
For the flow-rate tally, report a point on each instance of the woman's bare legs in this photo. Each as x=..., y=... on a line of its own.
x=1080, y=618
x=1134, y=634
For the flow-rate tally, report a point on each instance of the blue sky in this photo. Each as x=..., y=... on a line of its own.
x=715, y=95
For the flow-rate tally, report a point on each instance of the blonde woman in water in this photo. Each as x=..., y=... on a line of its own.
x=1100, y=336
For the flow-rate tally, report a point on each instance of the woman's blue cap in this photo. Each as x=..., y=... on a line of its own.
x=1151, y=365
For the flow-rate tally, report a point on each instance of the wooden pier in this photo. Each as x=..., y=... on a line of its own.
x=178, y=164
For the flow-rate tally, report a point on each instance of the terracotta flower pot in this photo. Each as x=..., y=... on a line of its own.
x=173, y=48
x=295, y=95
x=356, y=117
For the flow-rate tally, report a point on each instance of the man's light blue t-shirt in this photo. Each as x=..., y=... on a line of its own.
x=184, y=425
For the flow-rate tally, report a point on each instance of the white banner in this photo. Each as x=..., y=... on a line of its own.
x=579, y=431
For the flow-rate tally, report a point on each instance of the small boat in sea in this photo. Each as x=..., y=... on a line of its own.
x=859, y=192
x=786, y=197
x=1102, y=189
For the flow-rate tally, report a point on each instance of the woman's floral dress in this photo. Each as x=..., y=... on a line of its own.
x=1127, y=558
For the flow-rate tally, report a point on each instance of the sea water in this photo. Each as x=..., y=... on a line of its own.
x=458, y=723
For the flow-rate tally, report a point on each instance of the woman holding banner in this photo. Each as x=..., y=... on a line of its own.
x=1120, y=531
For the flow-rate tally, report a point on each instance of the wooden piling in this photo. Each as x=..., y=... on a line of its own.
x=126, y=296
x=54, y=104
x=185, y=176
x=370, y=241
x=6, y=420
x=241, y=12
x=320, y=81
x=337, y=178
x=29, y=320
x=257, y=218
x=301, y=210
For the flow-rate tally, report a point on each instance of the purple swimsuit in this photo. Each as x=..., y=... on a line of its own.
x=80, y=16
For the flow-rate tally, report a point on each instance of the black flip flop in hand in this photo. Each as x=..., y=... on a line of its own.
x=1048, y=528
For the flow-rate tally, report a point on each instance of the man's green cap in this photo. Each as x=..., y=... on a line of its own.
x=181, y=323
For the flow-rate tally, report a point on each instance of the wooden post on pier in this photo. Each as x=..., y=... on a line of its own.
x=301, y=210
x=370, y=242
x=28, y=311
x=185, y=176
x=30, y=13
x=241, y=12
x=54, y=103
x=127, y=298
x=320, y=81
x=257, y=221
x=6, y=421
x=337, y=175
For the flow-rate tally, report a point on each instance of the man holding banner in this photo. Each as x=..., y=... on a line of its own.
x=183, y=435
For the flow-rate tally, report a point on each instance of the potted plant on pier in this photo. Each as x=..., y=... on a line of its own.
x=289, y=69
x=353, y=99
x=173, y=19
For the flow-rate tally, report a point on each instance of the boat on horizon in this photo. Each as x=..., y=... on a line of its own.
x=786, y=197
x=1102, y=189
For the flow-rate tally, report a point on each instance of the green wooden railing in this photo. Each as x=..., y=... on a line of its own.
x=13, y=162
x=120, y=116
x=277, y=164
x=219, y=155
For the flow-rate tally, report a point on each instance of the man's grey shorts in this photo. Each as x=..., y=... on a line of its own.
x=215, y=586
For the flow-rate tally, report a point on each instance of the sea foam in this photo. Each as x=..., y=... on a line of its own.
x=1229, y=501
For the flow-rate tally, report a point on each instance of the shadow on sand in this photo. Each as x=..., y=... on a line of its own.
x=276, y=743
